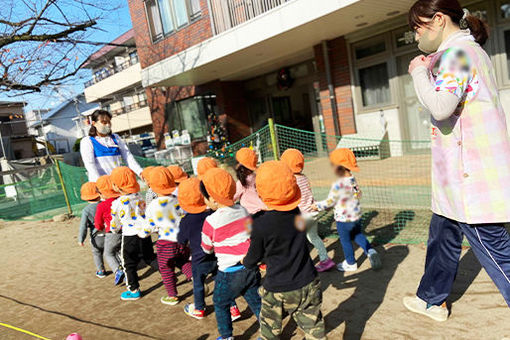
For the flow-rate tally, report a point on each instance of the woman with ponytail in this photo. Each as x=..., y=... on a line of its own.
x=102, y=151
x=470, y=151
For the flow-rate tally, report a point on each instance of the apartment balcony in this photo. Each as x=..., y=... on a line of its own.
x=131, y=116
x=253, y=37
x=113, y=80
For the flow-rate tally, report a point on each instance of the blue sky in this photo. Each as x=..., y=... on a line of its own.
x=111, y=27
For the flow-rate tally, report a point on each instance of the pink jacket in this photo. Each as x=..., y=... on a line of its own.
x=248, y=197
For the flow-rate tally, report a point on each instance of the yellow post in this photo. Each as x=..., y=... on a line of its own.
x=272, y=132
x=69, y=209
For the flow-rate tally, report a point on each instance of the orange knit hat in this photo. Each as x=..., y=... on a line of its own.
x=104, y=185
x=205, y=164
x=125, y=179
x=89, y=191
x=145, y=173
x=177, y=172
x=220, y=185
x=161, y=181
x=345, y=158
x=247, y=158
x=190, y=198
x=294, y=159
x=277, y=186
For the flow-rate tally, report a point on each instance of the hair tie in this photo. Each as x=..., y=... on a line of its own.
x=463, y=22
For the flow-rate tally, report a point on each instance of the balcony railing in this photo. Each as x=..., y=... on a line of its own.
x=230, y=13
x=111, y=71
x=128, y=108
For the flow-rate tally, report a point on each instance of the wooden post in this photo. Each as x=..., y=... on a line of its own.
x=69, y=209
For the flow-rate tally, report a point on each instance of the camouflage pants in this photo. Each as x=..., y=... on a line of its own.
x=303, y=304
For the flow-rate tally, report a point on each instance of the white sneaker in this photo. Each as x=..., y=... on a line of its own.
x=417, y=305
x=345, y=267
x=375, y=259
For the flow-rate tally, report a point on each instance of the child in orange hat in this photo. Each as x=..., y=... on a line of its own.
x=345, y=196
x=89, y=193
x=291, y=284
x=112, y=241
x=149, y=194
x=179, y=176
x=205, y=164
x=163, y=217
x=246, y=193
x=296, y=162
x=225, y=233
x=128, y=217
x=190, y=232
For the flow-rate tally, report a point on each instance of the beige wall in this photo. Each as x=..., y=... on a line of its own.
x=117, y=82
x=133, y=119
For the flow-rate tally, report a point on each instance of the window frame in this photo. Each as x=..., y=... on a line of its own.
x=191, y=18
x=379, y=58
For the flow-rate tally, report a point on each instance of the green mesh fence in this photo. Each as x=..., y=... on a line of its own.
x=42, y=197
x=394, y=180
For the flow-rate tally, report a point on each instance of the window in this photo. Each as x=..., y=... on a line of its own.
x=154, y=20
x=195, y=9
x=375, y=85
x=370, y=47
x=188, y=114
x=181, y=13
x=167, y=16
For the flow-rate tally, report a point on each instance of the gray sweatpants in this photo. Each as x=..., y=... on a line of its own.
x=112, y=250
x=97, y=243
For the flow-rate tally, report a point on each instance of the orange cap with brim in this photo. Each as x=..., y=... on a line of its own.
x=145, y=173
x=247, y=158
x=294, y=159
x=190, y=198
x=161, y=181
x=104, y=185
x=89, y=191
x=205, y=164
x=277, y=186
x=178, y=174
x=125, y=179
x=344, y=157
x=220, y=185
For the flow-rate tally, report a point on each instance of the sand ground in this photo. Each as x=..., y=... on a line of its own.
x=48, y=287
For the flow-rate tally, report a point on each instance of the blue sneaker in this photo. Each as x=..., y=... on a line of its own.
x=129, y=295
x=119, y=275
x=100, y=274
x=222, y=338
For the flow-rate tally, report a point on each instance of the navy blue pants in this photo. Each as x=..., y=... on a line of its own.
x=348, y=232
x=490, y=244
x=229, y=286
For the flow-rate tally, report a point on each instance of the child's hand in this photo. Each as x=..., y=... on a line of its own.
x=81, y=244
x=315, y=207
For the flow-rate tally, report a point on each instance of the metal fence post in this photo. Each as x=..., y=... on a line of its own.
x=69, y=209
x=274, y=139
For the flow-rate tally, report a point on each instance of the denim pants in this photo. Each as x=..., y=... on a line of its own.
x=490, y=244
x=200, y=272
x=348, y=232
x=229, y=286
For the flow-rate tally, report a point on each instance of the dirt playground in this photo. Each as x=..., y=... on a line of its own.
x=48, y=287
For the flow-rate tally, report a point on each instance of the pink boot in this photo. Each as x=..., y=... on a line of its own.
x=325, y=265
x=74, y=336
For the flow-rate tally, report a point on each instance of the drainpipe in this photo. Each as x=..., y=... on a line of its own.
x=331, y=88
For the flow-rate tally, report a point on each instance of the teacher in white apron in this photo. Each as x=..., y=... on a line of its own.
x=102, y=151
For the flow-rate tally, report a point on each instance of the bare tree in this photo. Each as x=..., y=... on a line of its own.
x=44, y=43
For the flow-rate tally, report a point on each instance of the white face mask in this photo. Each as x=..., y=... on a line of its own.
x=103, y=128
